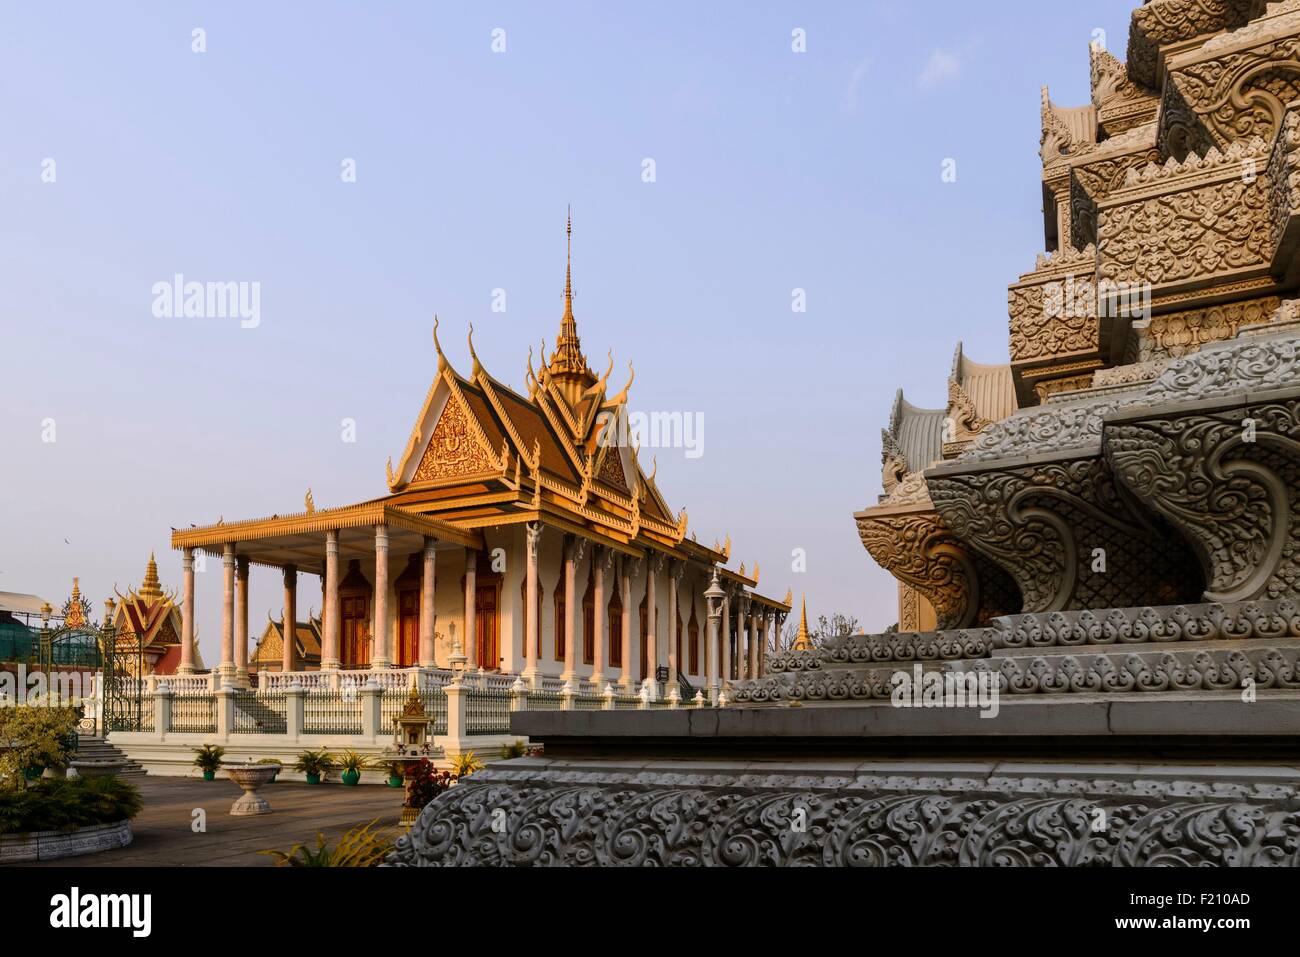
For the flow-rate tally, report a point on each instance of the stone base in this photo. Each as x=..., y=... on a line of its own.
x=248, y=804
x=52, y=845
x=846, y=813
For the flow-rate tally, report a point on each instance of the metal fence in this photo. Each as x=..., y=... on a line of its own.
x=486, y=711
x=196, y=714
x=260, y=713
x=434, y=701
x=588, y=702
x=544, y=701
x=331, y=712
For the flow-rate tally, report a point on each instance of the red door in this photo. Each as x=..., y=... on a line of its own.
x=408, y=628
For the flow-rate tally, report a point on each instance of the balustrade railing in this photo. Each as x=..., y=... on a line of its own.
x=331, y=712
x=194, y=714
x=264, y=712
x=486, y=711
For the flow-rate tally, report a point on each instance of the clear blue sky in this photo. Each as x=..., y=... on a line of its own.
x=775, y=170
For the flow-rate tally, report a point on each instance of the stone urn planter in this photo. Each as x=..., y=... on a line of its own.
x=97, y=767
x=250, y=777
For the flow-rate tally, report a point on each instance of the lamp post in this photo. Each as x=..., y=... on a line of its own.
x=713, y=595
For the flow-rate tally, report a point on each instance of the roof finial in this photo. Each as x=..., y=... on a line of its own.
x=802, y=640
x=568, y=265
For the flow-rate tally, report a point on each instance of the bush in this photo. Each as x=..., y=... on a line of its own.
x=34, y=737
x=465, y=764
x=359, y=847
x=425, y=782
x=208, y=757
x=314, y=762
x=65, y=804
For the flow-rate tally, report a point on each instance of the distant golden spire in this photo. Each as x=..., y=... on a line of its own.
x=568, y=267
x=802, y=641
x=150, y=588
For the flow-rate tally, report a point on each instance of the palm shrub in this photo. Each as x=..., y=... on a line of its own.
x=363, y=846
x=465, y=764
x=315, y=763
x=208, y=758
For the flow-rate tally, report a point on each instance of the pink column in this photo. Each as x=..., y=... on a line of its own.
x=674, y=578
x=625, y=590
x=726, y=640
x=289, y=619
x=333, y=623
x=652, y=617
x=428, y=657
x=751, y=669
x=570, y=599
x=187, y=612
x=241, y=622
x=381, y=658
x=227, y=667
x=601, y=557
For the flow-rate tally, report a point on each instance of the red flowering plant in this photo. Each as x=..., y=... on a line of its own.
x=424, y=782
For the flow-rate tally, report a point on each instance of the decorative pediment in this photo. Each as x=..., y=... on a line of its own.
x=456, y=448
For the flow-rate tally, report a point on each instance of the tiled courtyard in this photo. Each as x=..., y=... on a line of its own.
x=164, y=835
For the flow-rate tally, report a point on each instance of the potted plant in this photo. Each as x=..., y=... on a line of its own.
x=465, y=764
x=396, y=774
x=314, y=764
x=351, y=764
x=208, y=760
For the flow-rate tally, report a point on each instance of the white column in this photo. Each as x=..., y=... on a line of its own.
x=428, y=657
x=469, y=641
x=187, y=612
x=601, y=556
x=751, y=665
x=241, y=622
x=711, y=655
x=674, y=579
x=227, y=667
x=382, y=656
x=726, y=640
x=533, y=536
x=289, y=619
x=333, y=623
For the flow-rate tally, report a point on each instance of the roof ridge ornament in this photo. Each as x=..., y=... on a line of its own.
x=442, y=358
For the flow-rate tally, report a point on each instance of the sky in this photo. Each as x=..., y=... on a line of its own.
x=135, y=149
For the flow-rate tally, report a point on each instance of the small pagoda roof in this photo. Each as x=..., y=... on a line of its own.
x=918, y=432
x=991, y=388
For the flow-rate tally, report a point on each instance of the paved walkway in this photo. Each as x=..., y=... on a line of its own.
x=164, y=837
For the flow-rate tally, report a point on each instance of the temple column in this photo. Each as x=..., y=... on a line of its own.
x=187, y=612
x=726, y=639
x=428, y=656
x=381, y=658
x=289, y=619
x=674, y=579
x=601, y=556
x=762, y=645
x=533, y=537
x=227, y=667
x=570, y=592
x=625, y=591
x=241, y=622
x=469, y=641
x=654, y=562
x=333, y=622
x=751, y=665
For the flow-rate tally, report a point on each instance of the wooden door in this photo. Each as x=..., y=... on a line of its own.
x=487, y=647
x=355, y=619
x=408, y=628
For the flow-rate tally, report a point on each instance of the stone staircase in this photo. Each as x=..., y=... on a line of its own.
x=95, y=747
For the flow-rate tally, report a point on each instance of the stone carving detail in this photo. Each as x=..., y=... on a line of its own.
x=1184, y=235
x=1118, y=626
x=1172, y=21
x=1284, y=178
x=899, y=646
x=1244, y=364
x=1043, y=523
x=1237, y=95
x=1196, y=669
x=893, y=463
x=1235, y=500
x=1044, y=321
x=919, y=551
x=604, y=818
x=909, y=608
x=1183, y=333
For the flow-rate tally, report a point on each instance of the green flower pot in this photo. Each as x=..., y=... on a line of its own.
x=394, y=781
x=313, y=779
x=350, y=778
x=209, y=775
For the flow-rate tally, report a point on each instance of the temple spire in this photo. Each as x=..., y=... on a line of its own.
x=151, y=588
x=568, y=366
x=802, y=641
